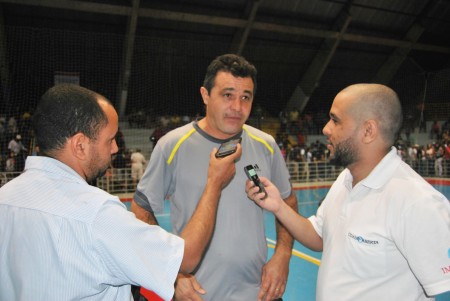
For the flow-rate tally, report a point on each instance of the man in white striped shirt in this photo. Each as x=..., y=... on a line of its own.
x=62, y=239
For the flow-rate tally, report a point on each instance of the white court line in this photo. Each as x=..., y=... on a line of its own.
x=295, y=252
x=162, y=214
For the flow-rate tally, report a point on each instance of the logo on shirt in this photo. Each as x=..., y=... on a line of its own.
x=362, y=240
x=446, y=270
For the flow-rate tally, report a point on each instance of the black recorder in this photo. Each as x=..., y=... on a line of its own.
x=227, y=148
x=253, y=176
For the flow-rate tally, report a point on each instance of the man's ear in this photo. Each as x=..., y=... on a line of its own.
x=371, y=131
x=205, y=95
x=79, y=145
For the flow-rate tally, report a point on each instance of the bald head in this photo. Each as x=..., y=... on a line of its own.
x=377, y=102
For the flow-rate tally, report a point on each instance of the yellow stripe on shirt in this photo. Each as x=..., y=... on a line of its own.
x=259, y=140
x=175, y=149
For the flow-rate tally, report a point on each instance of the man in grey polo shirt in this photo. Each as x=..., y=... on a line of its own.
x=234, y=266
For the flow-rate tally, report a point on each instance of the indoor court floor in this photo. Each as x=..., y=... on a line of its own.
x=305, y=263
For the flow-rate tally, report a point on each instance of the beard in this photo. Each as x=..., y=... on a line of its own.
x=97, y=167
x=96, y=174
x=345, y=153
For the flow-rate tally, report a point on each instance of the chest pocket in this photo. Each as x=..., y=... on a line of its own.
x=366, y=253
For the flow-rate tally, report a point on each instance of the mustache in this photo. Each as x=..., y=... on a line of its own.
x=233, y=115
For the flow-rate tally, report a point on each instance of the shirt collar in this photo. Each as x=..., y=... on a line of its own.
x=211, y=138
x=383, y=171
x=52, y=166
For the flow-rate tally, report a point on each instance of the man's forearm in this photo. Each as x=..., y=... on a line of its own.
x=300, y=227
x=198, y=231
x=285, y=240
x=143, y=214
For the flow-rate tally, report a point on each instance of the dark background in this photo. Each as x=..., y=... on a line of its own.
x=175, y=41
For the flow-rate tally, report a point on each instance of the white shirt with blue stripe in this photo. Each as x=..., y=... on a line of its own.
x=62, y=239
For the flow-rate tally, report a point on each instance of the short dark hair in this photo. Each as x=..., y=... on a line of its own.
x=237, y=65
x=65, y=110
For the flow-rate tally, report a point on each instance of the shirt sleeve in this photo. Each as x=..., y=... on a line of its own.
x=154, y=184
x=423, y=237
x=280, y=174
x=135, y=252
x=317, y=222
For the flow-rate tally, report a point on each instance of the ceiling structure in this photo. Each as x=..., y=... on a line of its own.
x=327, y=43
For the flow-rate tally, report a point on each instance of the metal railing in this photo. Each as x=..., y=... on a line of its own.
x=430, y=167
x=115, y=181
x=313, y=172
x=324, y=171
x=118, y=180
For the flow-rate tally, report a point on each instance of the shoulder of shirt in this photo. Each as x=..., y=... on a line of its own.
x=408, y=179
x=259, y=136
x=92, y=202
x=72, y=199
x=173, y=136
x=171, y=142
x=96, y=196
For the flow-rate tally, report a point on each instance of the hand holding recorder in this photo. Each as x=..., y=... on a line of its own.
x=228, y=148
x=222, y=168
x=253, y=176
x=269, y=198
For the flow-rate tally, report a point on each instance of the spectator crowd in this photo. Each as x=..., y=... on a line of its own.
x=432, y=159
x=15, y=141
